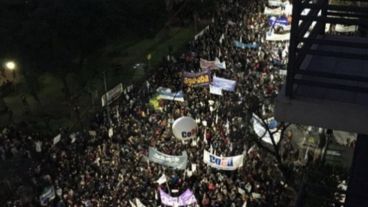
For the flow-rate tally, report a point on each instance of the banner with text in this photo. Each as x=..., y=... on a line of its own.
x=245, y=45
x=112, y=95
x=223, y=163
x=185, y=199
x=212, y=65
x=196, y=79
x=178, y=162
x=271, y=36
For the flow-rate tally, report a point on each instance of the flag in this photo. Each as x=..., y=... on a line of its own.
x=306, y=154
x=205, y=135
x=154, y=102
x=229, y=22
x=253, y=148
x=224, y=84
x=222, y=38
x=56, y=139
x=92, y=133
x=72, y=137
x=111, y=132
x=139, y=203
x=194, y=167
x=132, y=204
x=227, y=126
x=248, y=187
x=162, y=179
x=241, y=191
x=47, y=196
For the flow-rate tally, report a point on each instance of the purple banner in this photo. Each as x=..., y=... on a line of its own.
x=185, y=199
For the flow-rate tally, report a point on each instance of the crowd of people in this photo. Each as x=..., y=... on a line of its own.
x=107, y=164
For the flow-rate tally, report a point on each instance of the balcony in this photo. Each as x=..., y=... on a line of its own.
x=327, y=74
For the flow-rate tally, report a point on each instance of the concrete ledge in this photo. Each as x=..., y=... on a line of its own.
x=322, y=113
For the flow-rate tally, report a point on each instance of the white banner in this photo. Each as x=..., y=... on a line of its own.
x=277, y=37
x=343, y=28
x=273, y=12
x=112, y=95
x=215, y=90
x=223, y=163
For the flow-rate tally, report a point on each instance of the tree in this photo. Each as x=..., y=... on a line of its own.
x=275, y=149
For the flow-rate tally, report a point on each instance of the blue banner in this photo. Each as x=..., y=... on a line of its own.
x=245, y=46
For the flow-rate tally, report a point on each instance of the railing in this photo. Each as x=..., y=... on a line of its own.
x=308, y=29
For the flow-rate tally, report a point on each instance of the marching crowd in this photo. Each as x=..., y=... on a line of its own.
x=107, y=164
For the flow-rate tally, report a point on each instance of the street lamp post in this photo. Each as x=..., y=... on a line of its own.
x=11, y=66
x=106, y=99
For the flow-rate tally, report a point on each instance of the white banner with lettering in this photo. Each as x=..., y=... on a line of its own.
x=112, y=95
x=223, y=163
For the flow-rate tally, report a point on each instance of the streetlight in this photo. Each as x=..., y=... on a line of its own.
x=10, y=65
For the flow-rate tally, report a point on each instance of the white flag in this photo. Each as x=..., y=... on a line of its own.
x=194, y=167
x=253, y=148
x=205, y=136
x=306, y=154
x=111, y=132
x=162, y=179
x=139, y=203
x=57, y=139
x=132, y=204
x=92, y=133
x=227, y=127
x=248, y=187
x=222, y=38
x=241, y=191
x=72, y=137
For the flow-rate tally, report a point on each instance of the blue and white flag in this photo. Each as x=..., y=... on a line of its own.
x=224, y=84
x=261, y=131
x=171, y=96
x=241, y=45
